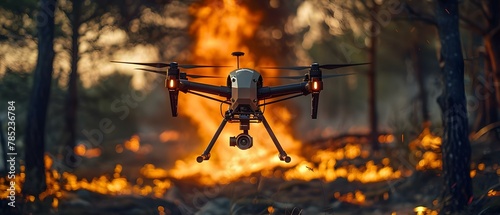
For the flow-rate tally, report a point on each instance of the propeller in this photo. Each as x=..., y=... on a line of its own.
x=191, y=76
x=164, y=65
x=302, y=76
x=325, y=66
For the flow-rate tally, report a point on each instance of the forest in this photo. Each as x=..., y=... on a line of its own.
x=414, y=131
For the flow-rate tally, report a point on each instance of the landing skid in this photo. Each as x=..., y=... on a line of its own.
x=206, y=154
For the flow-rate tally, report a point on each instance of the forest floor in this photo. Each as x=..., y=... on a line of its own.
x=273, y=195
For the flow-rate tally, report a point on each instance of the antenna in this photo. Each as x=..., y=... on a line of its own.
x=238, y=54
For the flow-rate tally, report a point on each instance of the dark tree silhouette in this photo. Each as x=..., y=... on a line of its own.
x=422, y=95
x=72, y=95
x=455, y=147
x=372, y=93
x=37, y=110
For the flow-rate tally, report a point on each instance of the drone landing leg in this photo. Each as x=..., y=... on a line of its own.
x=206, y=153
x=283, y=156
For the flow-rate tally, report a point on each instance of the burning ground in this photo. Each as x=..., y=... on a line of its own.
x=341, y=176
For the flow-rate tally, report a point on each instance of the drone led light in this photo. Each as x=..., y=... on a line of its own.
x=171, y=84
x=315, y=85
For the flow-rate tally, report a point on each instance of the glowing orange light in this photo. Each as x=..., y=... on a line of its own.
x=91, y=153
x=270, y=209
x=133, y=144
x=80, y=150
x=493, y=193
x=420, y=210
x=481, y=166
x=150, y=171
x=172, y=83
x=315, y=85
x=55, y=203
x=169, y=136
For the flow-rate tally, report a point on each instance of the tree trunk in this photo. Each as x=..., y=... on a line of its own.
x=455, y=147
x=426, y=122
x=72, y=95
x=39, y=100
x=371, y=80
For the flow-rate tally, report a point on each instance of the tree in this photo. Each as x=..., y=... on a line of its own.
x=72, y=95
x=455, y=146
x=422, y=95
x=37, y=110
x=372, y=94
x=91, y=14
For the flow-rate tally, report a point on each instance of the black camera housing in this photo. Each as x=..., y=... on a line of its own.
x=242, y=141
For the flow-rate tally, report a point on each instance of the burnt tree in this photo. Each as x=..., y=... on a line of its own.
x=372, y=94
x=72, y=95
x=422, y=94
x=455, y=146
x=39, y=100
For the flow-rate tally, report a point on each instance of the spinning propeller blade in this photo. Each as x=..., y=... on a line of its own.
x=335, y=66
x=302, y=76
x=150, y=70
x=336, y=75
x=288, y=77
x=203, y=76
x=326, y=66
x=286, y=67
x=157, y=65
x=191, y=76
x=164, y=65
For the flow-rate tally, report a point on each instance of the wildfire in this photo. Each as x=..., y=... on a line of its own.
x=493, y=193
x=354, y=198
x=169, y=136
x=59, y=183
x=327, y=167
x=133, y=144
x=430, y=157
x=81, y=150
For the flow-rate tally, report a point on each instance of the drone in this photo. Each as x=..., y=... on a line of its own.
x=245, y=94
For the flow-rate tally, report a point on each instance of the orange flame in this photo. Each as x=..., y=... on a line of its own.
x=133, y=144
x=169, y=136
x=430, y=157
x=58, y=184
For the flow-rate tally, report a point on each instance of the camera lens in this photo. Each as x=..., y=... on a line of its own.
x=244, y=141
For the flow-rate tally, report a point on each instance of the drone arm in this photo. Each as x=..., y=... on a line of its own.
x=188, y=86
x=283, y=90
